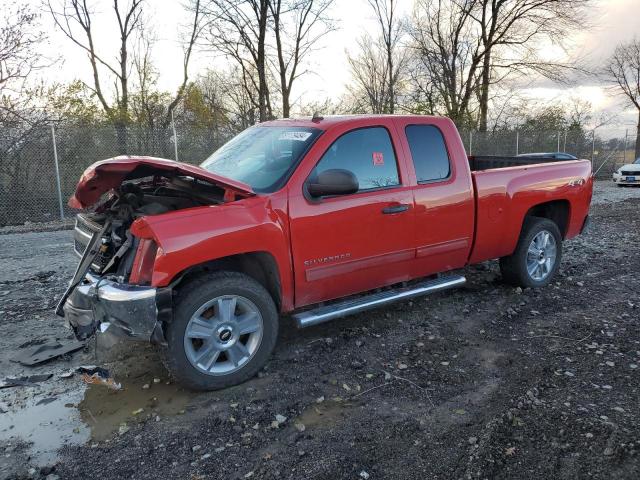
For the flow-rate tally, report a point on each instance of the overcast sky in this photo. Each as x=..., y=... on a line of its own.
x=613, y=21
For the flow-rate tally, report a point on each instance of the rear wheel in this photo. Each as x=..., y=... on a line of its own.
x=224, y=328
x=536, y=259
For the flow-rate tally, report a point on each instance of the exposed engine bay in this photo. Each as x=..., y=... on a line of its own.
x=118, y=209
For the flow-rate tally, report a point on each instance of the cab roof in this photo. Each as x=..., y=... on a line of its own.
x=324, y=122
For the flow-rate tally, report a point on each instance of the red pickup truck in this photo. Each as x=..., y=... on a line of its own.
x=315, y=218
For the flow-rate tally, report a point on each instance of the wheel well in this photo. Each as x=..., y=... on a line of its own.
x=261, y=266
x=557, y=211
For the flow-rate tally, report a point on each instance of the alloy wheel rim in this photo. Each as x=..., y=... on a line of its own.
x=541, y=255
x=223, y=335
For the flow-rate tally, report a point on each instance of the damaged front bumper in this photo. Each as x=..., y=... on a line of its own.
x=130, y=311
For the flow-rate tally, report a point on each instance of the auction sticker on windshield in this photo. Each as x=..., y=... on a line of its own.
x=298, y=136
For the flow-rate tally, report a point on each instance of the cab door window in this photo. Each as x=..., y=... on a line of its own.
x=368, y=153
x=429, y=153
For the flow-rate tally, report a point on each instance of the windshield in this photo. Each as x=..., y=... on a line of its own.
x=637, y=162
x=262, y=157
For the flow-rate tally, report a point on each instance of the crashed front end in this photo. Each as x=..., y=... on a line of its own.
x=111, y=289
x=125, y=310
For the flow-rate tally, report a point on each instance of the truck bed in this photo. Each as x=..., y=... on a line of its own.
x=487, y=162
x=504, y=196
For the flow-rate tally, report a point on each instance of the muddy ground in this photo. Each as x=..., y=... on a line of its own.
x=484, y=382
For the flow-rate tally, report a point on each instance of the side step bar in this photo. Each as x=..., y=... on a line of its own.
x=343, y=308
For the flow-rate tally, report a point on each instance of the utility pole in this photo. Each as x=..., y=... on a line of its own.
x=175, y=137
x=55, y=160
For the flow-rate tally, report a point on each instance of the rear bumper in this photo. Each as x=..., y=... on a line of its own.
x=129, y=311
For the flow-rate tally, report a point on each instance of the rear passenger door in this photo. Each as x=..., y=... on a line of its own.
x=443, y=196
x=347, y=244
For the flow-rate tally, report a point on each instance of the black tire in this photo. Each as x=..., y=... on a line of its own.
x=190, y=298
x=514, y=267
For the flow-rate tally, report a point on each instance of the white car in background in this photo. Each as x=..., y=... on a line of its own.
x=628, y=174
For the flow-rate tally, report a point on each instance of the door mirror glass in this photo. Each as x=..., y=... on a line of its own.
x=335, y=181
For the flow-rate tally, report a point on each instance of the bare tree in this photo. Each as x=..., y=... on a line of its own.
x=447, y=56
x=146, y=105
x=391, y=29
x=467, y=47
x=370, y=76
x=21, y=113
x=75, y=19
x=304, y=22
x=228, y=108
x=623, y=71
x=238, y=30
x=380, y=62
x=193, y=34
x=511, y=31
x=20, y=37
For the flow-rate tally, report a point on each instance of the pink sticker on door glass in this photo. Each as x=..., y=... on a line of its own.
x=378, y=158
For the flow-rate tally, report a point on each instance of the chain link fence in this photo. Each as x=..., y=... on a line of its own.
x=39, y=168
x=607, y=155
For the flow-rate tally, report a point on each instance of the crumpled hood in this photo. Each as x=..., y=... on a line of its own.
x=107, y=174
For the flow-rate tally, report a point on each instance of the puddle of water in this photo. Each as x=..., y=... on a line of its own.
x=47, y=426
x=88, y=412
x=104, y=410
x=324, y=414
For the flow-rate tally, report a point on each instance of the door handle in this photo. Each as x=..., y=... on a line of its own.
x=403, y=207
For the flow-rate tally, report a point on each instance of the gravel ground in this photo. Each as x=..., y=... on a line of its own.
x=482, y=382
x=607, y=192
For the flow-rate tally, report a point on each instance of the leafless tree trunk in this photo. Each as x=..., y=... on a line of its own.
x=369, y=71
x=21, y=116
x=76, y=14
x=194, y=33
x=391, y=31
x=143, y=106
x=447, y=54
x=19, y=55
x=238, y=29
x=380, y=63
x=510, y=33
x=623, y=71
x=304, y=22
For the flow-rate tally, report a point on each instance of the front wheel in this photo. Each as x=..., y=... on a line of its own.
x=537, y=256
x=224, y=328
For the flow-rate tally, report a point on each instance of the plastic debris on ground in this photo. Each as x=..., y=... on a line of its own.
x=41, y=353
x=24, y=381
x=98, y=376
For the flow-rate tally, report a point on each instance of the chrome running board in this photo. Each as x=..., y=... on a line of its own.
x=342, y=308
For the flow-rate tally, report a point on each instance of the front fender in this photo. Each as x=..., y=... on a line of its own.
x=195, y=236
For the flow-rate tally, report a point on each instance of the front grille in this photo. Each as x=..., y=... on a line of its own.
x=626, y=172
x=78, y=247
x=82, y=233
